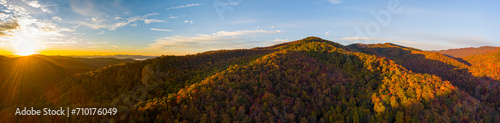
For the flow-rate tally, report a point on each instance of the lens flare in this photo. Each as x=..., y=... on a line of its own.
x=26, y=49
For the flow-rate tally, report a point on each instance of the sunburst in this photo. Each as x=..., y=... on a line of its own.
x=26, y=49
x=12, y=84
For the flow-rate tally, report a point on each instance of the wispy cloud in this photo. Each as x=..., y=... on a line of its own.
x=135, y=19
x=186, y=21
x=36, y=4
x=85, y=8
x=102, y=32
x=90, y=24
x=164, y=30
x=327, y=33
x=335, y=1
x=245, y=32
x=184, y=6
x=109, y=16
x=56, y=18
x=5, y=27
x=172, y=17
x=147, y=21
x=74, y=27
x=276, y=41
x=150, y=14
x=201, y=42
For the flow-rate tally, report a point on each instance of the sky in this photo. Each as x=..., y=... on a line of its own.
x=179, y=27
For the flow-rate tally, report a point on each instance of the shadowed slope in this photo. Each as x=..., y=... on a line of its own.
x=23, y=79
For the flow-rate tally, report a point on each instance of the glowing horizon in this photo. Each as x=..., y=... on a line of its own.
x=75, y=53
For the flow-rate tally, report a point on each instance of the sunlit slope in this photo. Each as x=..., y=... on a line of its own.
x=467, y=74
x=25, y=78
x=484, y=60
x=486, y=65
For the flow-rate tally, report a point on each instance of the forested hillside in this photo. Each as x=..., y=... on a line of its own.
x=308, y=80
x=487, y=65
x=23, y=79
x=476, y=75
x=483, y=60
x=313, y=80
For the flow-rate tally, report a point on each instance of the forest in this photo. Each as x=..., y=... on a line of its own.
x=308, y=80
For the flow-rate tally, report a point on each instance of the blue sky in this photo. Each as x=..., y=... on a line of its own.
x=156, y=27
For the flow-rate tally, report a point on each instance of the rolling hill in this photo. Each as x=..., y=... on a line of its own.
x=25, y=78
x=469, y=74
x=308, y=80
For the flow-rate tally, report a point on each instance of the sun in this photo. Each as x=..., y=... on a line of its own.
x=26, y=49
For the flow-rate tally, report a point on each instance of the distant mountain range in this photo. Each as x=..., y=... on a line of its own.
x=308, y=80
x=464, y=52
x=135, y=57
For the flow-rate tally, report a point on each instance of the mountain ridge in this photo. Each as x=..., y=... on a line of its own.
x=469, y=51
